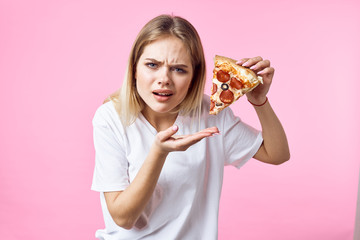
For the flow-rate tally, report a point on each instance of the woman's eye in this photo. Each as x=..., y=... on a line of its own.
x=151, y=65
x=179, y=70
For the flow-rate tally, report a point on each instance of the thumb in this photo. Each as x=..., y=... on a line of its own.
x=166, y=134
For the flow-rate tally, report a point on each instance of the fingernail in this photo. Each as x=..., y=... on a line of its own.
x=253, y=67
x=245, y=64
x=214, y=134
x=175, y=127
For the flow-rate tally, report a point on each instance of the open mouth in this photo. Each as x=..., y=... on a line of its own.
x=162, y=94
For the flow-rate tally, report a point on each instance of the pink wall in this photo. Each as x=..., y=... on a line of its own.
x=59, y=59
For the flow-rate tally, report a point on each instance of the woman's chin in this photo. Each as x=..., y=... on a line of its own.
x=162, y=109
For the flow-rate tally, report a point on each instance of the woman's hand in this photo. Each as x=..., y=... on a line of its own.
x=166, y=142
x=261, y=68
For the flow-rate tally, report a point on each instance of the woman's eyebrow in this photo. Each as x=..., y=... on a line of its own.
x=153, y=60
x=174, y=65
x=180, y=65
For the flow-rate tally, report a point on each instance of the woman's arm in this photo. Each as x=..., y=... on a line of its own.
x=275, y=149
x=126, y=206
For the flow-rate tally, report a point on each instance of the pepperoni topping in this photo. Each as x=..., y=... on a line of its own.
x=234, y=83
x=212, y=105
x=222, y=76
x=213, y=89
x=227, y=96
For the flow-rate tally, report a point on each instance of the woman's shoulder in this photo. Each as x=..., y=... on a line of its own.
x=105, y=113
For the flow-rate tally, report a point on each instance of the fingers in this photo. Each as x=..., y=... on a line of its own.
x=213, y=130
x=260, y=65
x=168, y=143
x=262, y=68
x=187, y=141
x=241, y=61
x=257, y=64
x=166, y=134
x=248, y=62
x=267, y=71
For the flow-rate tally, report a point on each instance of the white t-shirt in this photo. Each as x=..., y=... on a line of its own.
x=185, y=202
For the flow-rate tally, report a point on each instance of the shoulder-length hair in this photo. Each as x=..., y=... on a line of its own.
x=127, y=100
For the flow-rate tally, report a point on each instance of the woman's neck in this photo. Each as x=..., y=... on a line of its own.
x=160, y=121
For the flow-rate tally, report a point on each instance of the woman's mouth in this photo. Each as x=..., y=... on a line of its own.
x=162, y=94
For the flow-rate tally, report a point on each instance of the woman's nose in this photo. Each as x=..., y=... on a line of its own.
x=164, y=78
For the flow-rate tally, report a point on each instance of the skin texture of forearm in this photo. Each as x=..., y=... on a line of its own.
x=125, y=207
x=275, y=149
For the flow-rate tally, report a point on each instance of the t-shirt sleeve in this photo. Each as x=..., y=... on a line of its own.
x=241, y=141
x=111, y=165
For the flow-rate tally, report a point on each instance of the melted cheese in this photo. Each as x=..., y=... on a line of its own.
x=247, y=78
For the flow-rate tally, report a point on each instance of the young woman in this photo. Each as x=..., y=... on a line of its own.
x=159, y=155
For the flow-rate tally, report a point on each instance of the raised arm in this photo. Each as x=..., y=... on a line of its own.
x=275, y=149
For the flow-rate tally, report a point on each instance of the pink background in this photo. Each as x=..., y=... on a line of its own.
x=60, y=59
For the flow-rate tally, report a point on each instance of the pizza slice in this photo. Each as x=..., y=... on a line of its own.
x=230, y=82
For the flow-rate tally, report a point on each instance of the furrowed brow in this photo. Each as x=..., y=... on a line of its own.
x=180, y=66
x=152, y=60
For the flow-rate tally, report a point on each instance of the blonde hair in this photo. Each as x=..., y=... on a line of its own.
x=127, y=101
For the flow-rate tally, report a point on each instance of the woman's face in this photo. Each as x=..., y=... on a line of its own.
x=163, y=74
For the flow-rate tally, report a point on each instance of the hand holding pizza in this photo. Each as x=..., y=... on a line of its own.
x=233, y=79
x=261, y=68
